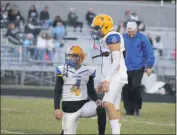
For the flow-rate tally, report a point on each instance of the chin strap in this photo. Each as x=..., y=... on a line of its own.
x=65, y=65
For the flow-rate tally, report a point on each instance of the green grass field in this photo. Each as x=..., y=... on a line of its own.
x=36, y=115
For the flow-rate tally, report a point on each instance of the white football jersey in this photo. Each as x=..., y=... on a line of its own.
x=75, y=83
x=111, y=38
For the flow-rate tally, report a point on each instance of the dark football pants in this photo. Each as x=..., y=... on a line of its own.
x=132, y=91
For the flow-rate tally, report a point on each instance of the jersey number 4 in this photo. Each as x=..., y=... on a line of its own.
x=76, y=88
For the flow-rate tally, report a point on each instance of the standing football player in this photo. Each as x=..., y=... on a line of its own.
x=75, y=85
x=114, y=71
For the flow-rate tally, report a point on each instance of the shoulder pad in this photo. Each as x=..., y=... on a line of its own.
x=92, y=71
x=113, y=38
x=59, y=70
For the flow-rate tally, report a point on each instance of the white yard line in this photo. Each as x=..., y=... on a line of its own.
x=14, y=110
x=21, y=111
x=23, y=97
x=11, y=132
x=8, y=109
x=5, y=131
x=146, y=122
x=150, y=123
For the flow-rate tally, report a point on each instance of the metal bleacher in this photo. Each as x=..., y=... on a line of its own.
x=16, y=71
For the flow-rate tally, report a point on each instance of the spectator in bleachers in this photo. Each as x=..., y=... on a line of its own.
x=45, y=47
x=50, y=48
x=2, y=7
x=73, y=20
x=127, y=15
x=122, y=24
x=40, y=46
x=90, y=15
x=45, y=18
x=4, y=16
x=11, y=34
x=16, y=17
x=32, y=13
x=141, y=25
x=121, y=28
x=59, y=33
x=6, y=7
x=13, y=38
x=134, y=17
x=32, y=27
x=28, y=42
x=4, y=20
x=58, y=19
x=44, y=14
x=158, y=45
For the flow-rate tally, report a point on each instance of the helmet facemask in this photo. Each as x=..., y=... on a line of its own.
x=74, y=56
x=73, y=60
x=97, y=33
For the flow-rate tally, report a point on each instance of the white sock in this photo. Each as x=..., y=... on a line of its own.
x=115, y=125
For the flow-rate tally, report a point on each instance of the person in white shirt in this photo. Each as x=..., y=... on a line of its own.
x=158, y=45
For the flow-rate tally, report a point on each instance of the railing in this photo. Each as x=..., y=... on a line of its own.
x=27, y=53
x=17, y=69
x=24, y=68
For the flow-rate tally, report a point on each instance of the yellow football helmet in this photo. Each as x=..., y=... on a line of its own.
x=104, y=23
x=77, y=52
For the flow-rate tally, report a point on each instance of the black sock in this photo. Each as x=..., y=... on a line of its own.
x=62, y=132
x=101, y=113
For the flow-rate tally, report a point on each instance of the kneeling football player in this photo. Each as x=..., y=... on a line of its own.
x=75, y=85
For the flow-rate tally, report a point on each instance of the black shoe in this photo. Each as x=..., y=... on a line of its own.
x=137, y=112
x=129, y=113
x=62, y=132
